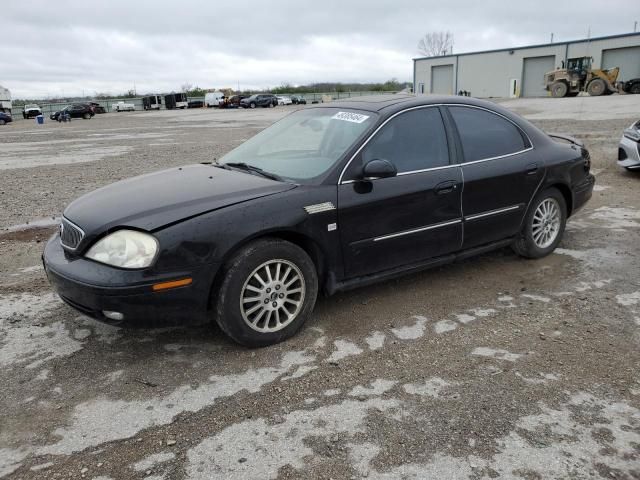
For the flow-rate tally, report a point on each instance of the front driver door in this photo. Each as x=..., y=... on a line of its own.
x=416, y=215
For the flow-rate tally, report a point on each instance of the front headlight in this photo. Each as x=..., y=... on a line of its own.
x=125, y=249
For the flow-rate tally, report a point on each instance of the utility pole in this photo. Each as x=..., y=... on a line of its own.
x=551, y=37
x=635, y=26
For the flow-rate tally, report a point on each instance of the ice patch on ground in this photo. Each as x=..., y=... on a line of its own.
x=483, y=312
x=378, y=387
x=430, y=388
x=103, y=420
x=464, y=318
x=331, y=392
x=33, y=346
x=628, y=299
x=411, y=332
x=541, y=379
x=26, y=305
x=343, y=349
x=496, y=353
x=617, y=217
x=300, y=371
x=444, y=326
x=537, y=298
x=10, y=460
x=153, y=460
x=263, y=455
x=375, y=340
x=552, y=444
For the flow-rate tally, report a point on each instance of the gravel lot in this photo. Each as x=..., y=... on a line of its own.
x=495, y=367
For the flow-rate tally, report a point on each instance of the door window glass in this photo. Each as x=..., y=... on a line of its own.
x=486, y=135
x=414, y=140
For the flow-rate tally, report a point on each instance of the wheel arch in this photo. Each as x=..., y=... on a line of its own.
x=305, y=242
x=566, y=193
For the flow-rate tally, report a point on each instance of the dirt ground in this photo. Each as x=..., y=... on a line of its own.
x=496, y=367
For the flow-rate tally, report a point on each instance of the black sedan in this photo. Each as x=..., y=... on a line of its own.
x=328, y=198
x=77, y=110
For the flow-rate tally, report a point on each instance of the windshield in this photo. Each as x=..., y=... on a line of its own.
x=305, y=144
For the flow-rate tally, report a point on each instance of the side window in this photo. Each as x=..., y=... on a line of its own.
x=414, y=140
x=485, y=135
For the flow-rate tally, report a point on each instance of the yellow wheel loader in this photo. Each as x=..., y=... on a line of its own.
x=578, y=76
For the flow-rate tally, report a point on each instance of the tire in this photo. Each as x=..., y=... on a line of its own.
x=86, y=116
x=559, y=89
x=532, y=241
x=2, y=122
x=635, y=88
x=596, y=87
x=252, y=105
x=285, y=261
x=271, y=105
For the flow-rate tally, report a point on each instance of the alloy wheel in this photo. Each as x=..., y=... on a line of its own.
x=546, y=223
x=272, y=296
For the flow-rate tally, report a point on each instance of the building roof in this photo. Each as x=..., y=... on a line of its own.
x=555, y=44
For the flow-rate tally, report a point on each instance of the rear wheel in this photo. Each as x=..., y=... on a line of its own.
x=559, y=89
x=2, y=122
x=543, y=225
x=635, y=88
x=268, y=291
x=596, y=87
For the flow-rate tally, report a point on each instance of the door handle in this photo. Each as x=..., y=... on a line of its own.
x=532, y=169
x=446, y=187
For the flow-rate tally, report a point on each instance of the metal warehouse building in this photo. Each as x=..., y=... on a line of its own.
x=515, y=72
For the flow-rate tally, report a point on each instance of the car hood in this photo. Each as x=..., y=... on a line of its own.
x=150, y=202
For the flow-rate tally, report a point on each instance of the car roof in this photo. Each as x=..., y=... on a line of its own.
x=390, y=103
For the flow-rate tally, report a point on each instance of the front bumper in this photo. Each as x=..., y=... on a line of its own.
x=93, y=288
x=628, y=153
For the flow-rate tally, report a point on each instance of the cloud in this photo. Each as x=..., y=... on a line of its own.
x=74, y=46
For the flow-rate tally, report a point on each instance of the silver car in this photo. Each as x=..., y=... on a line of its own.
x=629, y=148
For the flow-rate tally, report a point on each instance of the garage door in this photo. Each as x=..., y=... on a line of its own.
x=442, y=79
x=533, y=75
x=628, y=59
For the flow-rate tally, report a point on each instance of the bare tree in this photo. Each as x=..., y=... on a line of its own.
x=436, y=43
x=186, y=87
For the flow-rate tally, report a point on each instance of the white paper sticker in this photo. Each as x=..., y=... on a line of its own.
x=350, y=117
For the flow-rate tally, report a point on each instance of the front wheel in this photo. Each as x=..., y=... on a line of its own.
x=2, y=122
x=635, y=88
x=252, y=105
x=543, y=225
x=559, y=89
x=86, y=116
x=596, y=87
x=268, y=291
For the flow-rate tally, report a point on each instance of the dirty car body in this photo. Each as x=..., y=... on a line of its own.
x=383, y=186
x=629, y=147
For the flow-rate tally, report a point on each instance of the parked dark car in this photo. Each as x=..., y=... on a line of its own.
x=327, y=199
x=77, y=110
x=97, y=108
x=31, y=111
x=298, y=100
x=632, y=86
x=195, y=104
x=5, y=118
x=259, y=100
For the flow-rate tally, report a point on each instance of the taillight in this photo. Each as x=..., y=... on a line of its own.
x=586, y=159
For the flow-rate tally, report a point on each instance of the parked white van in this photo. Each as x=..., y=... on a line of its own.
x=213, y=99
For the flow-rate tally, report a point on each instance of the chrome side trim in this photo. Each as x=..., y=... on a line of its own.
x=444, y=167
x=364, y=144
x=417, y=230
x=493, y=212
x=319, y=207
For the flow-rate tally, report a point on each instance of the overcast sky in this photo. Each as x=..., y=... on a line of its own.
x=66, y=47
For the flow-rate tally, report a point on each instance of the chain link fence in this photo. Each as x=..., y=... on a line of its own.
x=109, y=105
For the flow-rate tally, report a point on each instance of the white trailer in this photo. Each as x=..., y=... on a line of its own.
x=5, y=100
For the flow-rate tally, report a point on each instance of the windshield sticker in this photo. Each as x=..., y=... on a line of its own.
x=350, y=117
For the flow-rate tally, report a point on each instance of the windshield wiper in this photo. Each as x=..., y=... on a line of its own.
x=251, y=168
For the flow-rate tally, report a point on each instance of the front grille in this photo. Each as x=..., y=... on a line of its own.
x=70, y=235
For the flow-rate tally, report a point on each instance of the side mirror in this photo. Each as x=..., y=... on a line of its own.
x=379, y=168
